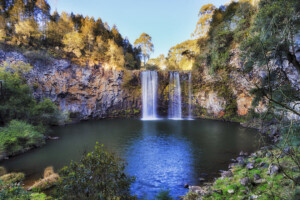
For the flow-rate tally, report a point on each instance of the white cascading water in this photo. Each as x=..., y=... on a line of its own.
x=149, y=92
x=190, y=96
x=174, y=96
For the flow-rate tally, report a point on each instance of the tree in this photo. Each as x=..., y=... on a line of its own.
x=17, y=13
x=205, y=16
x=100, y=49
x=115, y=54
x=17, y=102
x=130, y=62
x=98, y=175
x=27, y=32
x=145, y=44
x=87, y=31
x=73, y=43
x=42, y=11
x=58, y=27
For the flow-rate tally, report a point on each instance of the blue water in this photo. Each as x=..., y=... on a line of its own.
x=162, y=154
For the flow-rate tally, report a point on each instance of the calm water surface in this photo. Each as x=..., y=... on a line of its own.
x=163, y=154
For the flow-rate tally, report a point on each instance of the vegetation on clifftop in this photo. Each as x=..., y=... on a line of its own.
x=30, y=25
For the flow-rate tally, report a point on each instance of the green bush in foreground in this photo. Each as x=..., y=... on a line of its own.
x=18, y=136
x=98, y=175
x=16, y=192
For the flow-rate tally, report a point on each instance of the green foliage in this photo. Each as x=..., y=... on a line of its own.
x=16, y=192
x=98, y=175
x=272, y=38
x=163, y=195
x=17, y=136
x=13, y=192
x=191, y=196
x=226, y=27
x=17, y=101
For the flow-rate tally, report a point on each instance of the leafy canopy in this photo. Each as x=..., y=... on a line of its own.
x=98, y=175
x=144, y=42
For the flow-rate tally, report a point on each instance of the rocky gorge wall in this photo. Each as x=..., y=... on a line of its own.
x=88, y=92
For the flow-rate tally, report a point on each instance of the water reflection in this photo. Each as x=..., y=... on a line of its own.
x=160, y=159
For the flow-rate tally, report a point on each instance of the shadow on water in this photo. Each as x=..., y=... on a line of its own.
x=162, y=154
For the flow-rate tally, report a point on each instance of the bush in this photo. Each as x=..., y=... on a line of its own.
x=13, y=191
x=98, y=175
x=50, y=178
x=191, y=196
x=18, y=136
x=16, y=192
x=17, y=102
x=2, y=171
x=12, y=178
x=39, y=56
x=163, y=195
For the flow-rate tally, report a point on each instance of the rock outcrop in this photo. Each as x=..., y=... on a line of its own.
x=86, y=92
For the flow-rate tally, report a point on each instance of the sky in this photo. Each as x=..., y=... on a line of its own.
x=168, y=22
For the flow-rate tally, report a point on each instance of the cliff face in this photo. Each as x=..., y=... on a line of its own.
x=95, y=92
x=85, y=92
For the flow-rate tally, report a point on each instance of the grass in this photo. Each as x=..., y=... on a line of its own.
x=12, y=178
x=50, y=178
x=276, y=186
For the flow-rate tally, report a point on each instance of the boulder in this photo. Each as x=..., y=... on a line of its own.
x=250, y=165
x=245, y=181
x=197, y=190
x=256, y=177
x=230, y=191
x=273, y=169
x=226, y=174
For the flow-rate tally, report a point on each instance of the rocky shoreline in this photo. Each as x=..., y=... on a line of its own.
x=248, y=175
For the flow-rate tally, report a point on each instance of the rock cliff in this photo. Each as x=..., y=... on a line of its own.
x=96, y=92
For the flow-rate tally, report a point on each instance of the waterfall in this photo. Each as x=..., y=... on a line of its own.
x=190, y=95
x=149, y=92
x=174, y=96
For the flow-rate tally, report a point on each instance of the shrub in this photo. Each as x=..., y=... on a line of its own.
x=17, y=102
x=191, y=196
x=163, y=195
x=18, y=136
x=16, y=192
x=50, y=178
x=2, y=171
x=13, y=191
x=38, y=56
x=98, y=175
x=12, y=178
